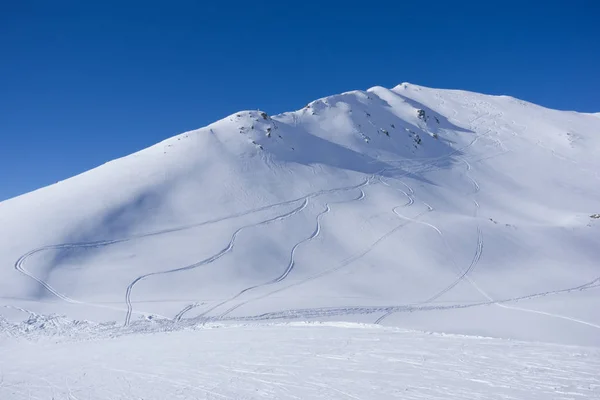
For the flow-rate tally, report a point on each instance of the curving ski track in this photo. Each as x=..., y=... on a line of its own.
x=474, y=262
x=210, y=259
x=472, y=265
x=409, y=194
x=343, y=264
x=289, y=268
x=19, y=264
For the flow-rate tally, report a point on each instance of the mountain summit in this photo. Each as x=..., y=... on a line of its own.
x=420, y=208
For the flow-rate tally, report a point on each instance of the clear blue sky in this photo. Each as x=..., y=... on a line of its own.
x=85, y=82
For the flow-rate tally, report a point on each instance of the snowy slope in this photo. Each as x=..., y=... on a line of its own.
x=472, y=216
x=306, y=361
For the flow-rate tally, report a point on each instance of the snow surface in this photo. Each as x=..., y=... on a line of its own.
x=470, y=217
x=299, y=361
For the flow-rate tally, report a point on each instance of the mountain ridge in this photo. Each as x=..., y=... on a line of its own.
x=322, y=99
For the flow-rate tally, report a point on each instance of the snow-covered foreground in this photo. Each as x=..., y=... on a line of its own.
x=415, y=208
x=297, y=361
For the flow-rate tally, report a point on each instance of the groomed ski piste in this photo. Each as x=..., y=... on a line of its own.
x=409, y=243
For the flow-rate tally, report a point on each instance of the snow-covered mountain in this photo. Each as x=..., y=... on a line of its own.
x=415, y=207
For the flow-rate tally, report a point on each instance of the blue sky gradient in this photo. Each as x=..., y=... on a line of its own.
x=82, y=83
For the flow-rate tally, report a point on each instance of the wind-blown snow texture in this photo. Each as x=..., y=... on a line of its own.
x=417, y=208
x=306, y=361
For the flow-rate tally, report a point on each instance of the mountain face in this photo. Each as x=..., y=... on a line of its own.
x=439, y=210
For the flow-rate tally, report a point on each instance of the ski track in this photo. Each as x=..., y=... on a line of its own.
x=485, y=294
x=473, y=181
x=228, y=311
x=210, y=259
x=289, y=268
x=19, y=266
x=501, y=303
x=20, y=263
x=588, y=285
x=472, y=265
x=554, y=315
x=409, y=194
x=355, y=310
x=541, y=144
x=460, y=278
x=474, y=262
x=23, y=310
x=343, y=264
